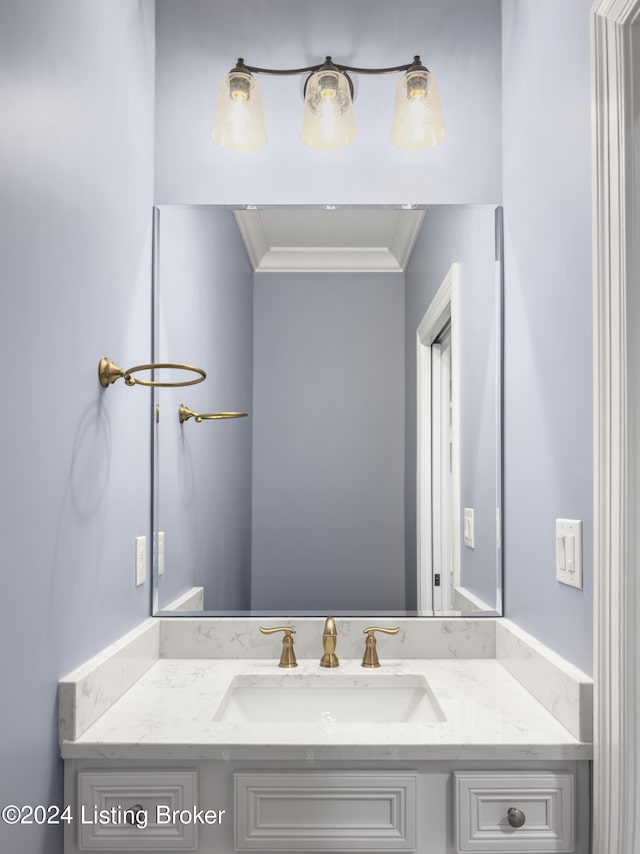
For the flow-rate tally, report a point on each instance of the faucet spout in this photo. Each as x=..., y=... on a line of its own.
x=329, y=638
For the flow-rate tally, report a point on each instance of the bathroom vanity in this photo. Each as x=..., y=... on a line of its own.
x=469, y=737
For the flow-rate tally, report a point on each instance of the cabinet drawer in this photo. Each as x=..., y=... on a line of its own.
x=324, y=811
x=544, y=800
x=110, y=802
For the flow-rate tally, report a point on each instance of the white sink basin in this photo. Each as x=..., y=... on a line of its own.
x=329, y=698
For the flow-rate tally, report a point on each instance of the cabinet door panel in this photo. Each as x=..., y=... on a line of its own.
x=325, y=812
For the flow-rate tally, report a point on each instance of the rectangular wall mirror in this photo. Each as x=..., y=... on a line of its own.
x=365, y=346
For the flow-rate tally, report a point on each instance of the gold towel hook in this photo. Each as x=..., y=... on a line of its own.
x=108, y=373
x=184, y=414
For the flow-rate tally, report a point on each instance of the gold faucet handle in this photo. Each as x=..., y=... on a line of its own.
x=370, y=658
x=380, y=629
x=288, y=657
x=279, y=629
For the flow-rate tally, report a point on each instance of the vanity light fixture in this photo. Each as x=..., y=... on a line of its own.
x=328, y=121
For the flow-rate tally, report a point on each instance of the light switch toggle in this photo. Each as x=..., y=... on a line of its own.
x=569, y=552
x=561, y=553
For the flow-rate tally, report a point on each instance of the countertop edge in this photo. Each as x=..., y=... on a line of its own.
x=338, y=752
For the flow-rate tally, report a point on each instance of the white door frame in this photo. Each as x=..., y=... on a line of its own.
x=615, y=61
x=441, y=467
x=445, y=306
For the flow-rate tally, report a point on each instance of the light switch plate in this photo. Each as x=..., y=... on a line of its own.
x=141, y=560
x=569, y=552
x=469, y=528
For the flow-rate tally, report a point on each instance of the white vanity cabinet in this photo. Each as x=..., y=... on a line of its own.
x=494, y=765
x=429, y=807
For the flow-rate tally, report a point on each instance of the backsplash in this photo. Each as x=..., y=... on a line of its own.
x=196, y=637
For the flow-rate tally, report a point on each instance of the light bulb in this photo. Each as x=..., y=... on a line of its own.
x=328, y=86
x=239, y=86
x=416, y=84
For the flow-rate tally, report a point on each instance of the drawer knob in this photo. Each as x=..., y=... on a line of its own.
x=515, y=817
x=134, y=811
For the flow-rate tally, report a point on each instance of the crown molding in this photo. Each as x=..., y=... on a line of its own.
x=267, y=258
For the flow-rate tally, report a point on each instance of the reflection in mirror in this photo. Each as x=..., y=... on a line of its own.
x=365, y=346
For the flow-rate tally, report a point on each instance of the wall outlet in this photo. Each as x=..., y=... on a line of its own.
x=569, y=552
x=160, y=552
x=141, y=560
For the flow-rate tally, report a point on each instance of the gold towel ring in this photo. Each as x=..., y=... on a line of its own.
x=184, y=414
x=109, y=373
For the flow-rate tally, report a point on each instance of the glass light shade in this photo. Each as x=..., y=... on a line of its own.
x=417, y=113
x=328, y=120
x=238, y=119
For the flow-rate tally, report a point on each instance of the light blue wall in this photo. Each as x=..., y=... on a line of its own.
x=548, y=311
x=206, y=319
x=198, y=41
x=328, y=412
x=465, y=235
x=76, y=172
x=76, y=155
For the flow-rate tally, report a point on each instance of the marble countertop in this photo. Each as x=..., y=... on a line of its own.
x=168, y=713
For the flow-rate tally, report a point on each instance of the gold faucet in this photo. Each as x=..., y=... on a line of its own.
x=370, y=658
x=329, y=637
x=288, y=657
